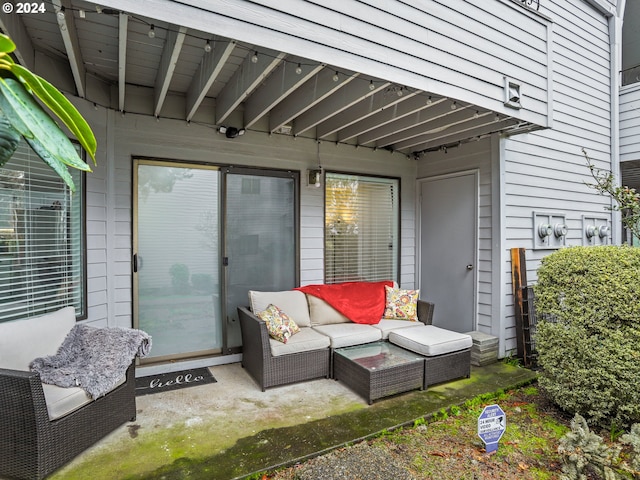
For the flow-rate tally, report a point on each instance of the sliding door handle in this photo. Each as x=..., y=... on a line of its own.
x=137, y=262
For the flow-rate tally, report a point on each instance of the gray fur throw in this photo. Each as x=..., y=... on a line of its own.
x=94, y=359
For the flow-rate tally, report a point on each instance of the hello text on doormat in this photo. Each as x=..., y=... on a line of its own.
x=174, y=380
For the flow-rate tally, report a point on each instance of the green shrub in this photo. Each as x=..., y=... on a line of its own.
x=589, y=349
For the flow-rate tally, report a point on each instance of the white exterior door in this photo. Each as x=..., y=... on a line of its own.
x=448, y=248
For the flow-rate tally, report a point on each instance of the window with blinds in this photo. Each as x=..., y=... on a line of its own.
x=362, y=215
x=41, y=239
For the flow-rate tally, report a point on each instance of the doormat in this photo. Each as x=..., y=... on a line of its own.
x=164, y=382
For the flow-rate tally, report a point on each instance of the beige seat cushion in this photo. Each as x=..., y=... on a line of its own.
x=291, y=302
x=22, y=341
x=62, y=401
x=386, y=326
x=321, y=313
x=347, y=334
x=303, y=341
x=430, y=341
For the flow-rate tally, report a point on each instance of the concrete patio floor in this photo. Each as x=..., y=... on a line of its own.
x=231, y=429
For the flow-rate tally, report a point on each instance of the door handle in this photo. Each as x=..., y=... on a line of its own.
x=469, y=267
x=137, y=262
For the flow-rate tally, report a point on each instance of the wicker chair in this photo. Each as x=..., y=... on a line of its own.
x=31, y=445
x=269, y=371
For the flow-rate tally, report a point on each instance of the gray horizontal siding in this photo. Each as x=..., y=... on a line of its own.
x=630, y=123
x=109, y=187
x=546, y=171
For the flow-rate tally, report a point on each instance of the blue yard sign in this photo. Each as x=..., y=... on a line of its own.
x=492, y=423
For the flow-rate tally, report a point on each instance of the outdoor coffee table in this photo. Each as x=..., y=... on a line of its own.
x=377, y=370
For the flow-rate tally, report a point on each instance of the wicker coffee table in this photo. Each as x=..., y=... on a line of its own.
x=377, y=370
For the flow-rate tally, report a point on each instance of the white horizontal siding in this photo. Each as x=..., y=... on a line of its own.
x=546, y=171
x=630, y=122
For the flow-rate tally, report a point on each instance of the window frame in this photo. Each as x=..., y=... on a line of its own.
x=397, y=212
x=80, y=179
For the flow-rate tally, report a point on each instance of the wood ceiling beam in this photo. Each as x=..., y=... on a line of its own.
x=364, y=109
x=245, y=80
x=209, y=69
x=67, y=26
x=488, y=127
x=281, y=83
x=339, y=101
x=437, y=124
x=321, y=86
x=170, y=54
x=388, y=115
x=11, y=24
x=426, y=113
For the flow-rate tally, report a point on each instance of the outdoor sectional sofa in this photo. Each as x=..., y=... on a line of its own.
x=44, y=426
x=309, y=354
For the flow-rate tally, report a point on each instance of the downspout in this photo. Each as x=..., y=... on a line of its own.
x=615, y=37
x=614, y=18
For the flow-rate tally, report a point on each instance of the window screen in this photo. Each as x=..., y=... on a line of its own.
x=41, y=239
x=361, y=228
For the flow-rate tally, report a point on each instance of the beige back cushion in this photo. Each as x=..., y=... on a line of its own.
x=291, y=302
x=21, y=341
x=322, y=313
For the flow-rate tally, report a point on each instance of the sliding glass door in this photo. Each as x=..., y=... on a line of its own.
x=176, y=258
x=203, y=237
x=261, y=240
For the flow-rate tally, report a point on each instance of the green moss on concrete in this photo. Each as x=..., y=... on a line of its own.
x=230, y=449
x=146, y=450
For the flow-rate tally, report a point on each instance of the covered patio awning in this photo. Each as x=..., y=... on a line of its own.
x=242, y=66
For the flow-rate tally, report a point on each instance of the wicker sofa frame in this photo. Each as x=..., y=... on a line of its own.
x=269, y=371
x=31, y=445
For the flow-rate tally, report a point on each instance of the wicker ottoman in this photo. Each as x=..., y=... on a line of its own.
x=447, y=354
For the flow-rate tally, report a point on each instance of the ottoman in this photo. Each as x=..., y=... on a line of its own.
x=447, y=354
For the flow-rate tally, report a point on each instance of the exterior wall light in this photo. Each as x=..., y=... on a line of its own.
x=314, y=178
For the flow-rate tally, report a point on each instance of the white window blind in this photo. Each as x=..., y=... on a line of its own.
x=361, y=228
x=41, y=239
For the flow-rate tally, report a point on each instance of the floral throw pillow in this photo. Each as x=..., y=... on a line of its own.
x=279, y=325
x=401, y=304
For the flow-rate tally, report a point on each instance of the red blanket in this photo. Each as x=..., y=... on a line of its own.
x=360, y=302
